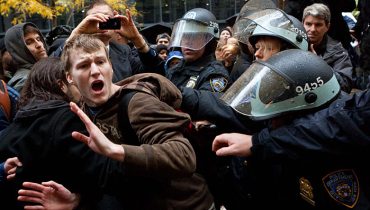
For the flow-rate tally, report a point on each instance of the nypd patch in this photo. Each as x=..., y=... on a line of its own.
x=343, y=187
x=218, y=84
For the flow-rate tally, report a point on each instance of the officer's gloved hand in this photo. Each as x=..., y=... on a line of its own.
x=189, y=100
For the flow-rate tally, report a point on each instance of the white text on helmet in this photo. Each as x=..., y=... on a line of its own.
x=309, y=86
x=213, y=24
x=190, y=15
x=299, y=32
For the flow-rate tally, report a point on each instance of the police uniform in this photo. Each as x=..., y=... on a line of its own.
x=316, y=160
x=327, y=152
x=204, y=74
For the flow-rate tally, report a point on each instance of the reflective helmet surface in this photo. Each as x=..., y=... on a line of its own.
x=252, y=6
x=195, y=29
x=58, y=32
x=271, y=22
x=289, y=81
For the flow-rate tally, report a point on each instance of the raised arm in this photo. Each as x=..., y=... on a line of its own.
x=129, y=30
x=89, y=25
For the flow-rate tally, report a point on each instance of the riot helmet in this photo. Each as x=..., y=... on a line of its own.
x=61, y=31
x=286, y=82
x=252, y=6
x=271, y=22
x=194, y=30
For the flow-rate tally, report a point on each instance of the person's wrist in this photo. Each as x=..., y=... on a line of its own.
x=140, y=44
x=117, y=152
x=142, y=47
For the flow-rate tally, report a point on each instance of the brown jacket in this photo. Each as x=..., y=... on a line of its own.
x=160, y=163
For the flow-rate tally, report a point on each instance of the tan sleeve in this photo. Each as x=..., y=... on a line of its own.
x=164, y=151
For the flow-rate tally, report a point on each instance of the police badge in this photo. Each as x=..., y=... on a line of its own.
x=192, y=82
x=343, y=187
x=306, y=190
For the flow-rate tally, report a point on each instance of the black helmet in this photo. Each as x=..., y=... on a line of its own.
x=286, y=82
x=271, y=22
x=252, y=6
x=61, y=31
x=195, y=29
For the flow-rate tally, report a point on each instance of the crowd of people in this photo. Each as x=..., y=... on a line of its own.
x=272, y=112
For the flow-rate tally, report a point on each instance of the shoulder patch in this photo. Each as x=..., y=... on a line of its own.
x=343, y=187
x=218, y=84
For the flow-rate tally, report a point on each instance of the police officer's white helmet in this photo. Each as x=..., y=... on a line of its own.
x=289, y=81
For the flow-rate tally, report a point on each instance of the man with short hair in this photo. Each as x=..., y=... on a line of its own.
x=163, y=39
x=316, y=20
x=25, y=51
x=124, y=62
x=138, y=114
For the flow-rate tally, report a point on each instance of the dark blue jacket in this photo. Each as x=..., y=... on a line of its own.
x=206, y=73
x=312, y=150
x=317, y=161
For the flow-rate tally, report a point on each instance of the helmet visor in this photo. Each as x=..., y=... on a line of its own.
x=243, y=29
x=190, y=34
x=270, y=22
x=258, y=88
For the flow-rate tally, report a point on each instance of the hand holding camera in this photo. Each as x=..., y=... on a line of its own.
x=110, y=24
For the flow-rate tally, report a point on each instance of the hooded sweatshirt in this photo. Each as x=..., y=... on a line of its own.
x=16, y=46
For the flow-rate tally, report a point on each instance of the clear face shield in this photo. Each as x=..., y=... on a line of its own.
x=191, y=34
x=270, y=22
x=257, y=91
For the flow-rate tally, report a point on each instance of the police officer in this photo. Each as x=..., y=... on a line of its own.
x=250, y=28
x=310, y=155
x=271, y=23
x=196, y=33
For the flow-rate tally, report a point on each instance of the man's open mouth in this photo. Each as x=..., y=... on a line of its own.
x=97, y=85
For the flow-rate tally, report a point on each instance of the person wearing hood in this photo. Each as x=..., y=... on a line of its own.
x=26, y=45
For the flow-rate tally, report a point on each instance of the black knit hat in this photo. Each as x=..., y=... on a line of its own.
x=161, y=47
